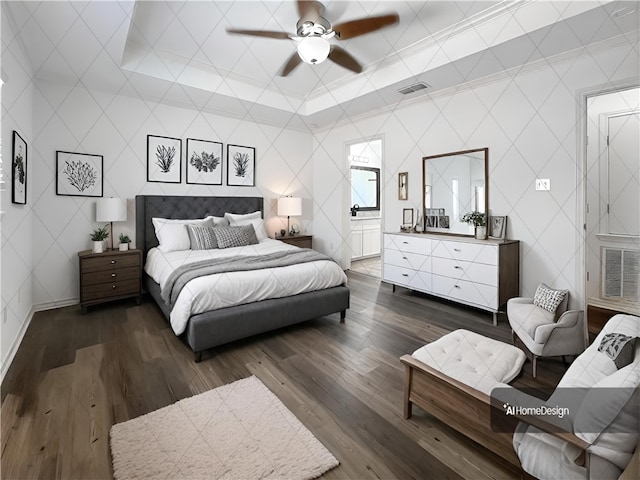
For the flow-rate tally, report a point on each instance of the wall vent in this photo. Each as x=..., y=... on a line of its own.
x=620, y=273
x=413, y=88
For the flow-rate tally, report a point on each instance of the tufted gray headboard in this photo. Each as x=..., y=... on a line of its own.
x=181, y=207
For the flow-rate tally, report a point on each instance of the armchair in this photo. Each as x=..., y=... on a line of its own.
x=546, y=332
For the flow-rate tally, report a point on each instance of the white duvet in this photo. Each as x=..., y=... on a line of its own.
x=222, y=290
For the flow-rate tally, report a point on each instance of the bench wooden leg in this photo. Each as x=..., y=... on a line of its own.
x=408, y=378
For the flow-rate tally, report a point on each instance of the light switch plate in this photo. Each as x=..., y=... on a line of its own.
x=543, y=184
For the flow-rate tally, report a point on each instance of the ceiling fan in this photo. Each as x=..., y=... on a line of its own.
x=313, y=33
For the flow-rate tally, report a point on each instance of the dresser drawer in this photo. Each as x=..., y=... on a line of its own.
x=108, y=262
x=470, y=252
x=465, y=291
x=413, y=261
x=408, y=243
x=102, y=291
x=113, y=275
x=470, y=271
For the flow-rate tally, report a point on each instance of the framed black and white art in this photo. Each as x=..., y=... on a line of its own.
x=204, y=162
x=79, y=174
x=241, y=166
x=19, y=170
x=498, y=227
x=164, y=155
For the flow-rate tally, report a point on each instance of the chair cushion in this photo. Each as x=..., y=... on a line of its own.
x=527, y=317
x=469, y=357
x=548, y=298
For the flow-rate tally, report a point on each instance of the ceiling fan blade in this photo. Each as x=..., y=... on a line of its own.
x=340, y=56
x=293, y=62
x=355, y=28
x=260, y=33
x=306, y=6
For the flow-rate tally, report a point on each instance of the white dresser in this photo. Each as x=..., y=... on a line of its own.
x=480, y=273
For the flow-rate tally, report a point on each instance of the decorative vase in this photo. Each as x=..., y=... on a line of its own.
x=98, y=246
x=481, y=232
x=418, y=227
x=123, y=247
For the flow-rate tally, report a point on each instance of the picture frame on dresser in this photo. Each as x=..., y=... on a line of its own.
x=407, y=217
x=79, y=174
x=204, y=162
x=164, y=159
x=19, y=170
x=498, y=227
x=403, y=186
x=241, y=166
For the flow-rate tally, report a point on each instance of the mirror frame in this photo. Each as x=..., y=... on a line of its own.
x=485, y=150
x=376, y=170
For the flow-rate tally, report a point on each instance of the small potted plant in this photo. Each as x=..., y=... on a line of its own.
x=124, y=242
x=479, y=221
x=98, y=236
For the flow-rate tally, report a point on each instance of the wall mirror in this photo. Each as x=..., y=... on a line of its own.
x=365, y=188
x=453, y=184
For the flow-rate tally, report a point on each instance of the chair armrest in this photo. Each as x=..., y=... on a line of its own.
x=568, y=319
x=520, y=300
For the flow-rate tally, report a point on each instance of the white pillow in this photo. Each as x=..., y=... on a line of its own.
x=173, y=235
x=255, y=219
x=218, y=221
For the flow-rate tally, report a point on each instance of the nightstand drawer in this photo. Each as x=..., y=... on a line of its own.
x=103, y=291
x=302, y=241
x=109, y=262
x=113, y=275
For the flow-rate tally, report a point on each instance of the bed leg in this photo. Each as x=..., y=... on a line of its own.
x=408, y=379
x=197, y=356
x=343, y=315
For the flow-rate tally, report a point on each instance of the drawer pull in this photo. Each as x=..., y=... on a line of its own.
x=113, y=274
x=457, y=286
x=112, y=262
x=406, y=243
x=404, y=258
x=458, y=267
x=405, y=274
x=457, y=250
x=113, y=286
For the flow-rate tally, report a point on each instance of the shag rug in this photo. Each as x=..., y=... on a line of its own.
x=237, y=431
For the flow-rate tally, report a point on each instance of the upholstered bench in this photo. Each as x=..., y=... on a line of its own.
x=452, y=379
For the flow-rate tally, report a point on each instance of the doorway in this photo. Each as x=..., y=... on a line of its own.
x=612, y=197
x=364, y=161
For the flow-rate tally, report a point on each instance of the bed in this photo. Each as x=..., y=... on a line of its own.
x=208, y=329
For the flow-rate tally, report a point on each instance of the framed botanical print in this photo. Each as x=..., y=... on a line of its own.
x=403, y=186
x=241, y=166
x=204, y=162
x=164, y=155
x=19, y=170
x=79, y=174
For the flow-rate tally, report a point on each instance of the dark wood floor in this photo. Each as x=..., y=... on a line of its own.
x=76, y=375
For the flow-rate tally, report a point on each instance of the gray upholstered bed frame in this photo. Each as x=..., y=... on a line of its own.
x=210, y=329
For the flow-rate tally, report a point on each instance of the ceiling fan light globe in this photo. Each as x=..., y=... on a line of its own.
x=313, y=50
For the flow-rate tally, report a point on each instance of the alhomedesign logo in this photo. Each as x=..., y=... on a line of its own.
x=539, y=411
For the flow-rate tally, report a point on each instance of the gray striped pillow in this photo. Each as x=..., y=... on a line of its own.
x=235, y=236
x=202, y=238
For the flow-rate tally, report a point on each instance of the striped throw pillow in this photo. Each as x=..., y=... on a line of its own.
x=202, y=238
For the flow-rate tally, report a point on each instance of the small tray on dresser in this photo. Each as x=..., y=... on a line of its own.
x=111, y=275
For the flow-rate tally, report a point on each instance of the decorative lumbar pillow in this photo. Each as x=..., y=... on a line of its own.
x=254, y=219
x=227, y=237
x=548, y=298
x=202, y=238
x=173, y=234
x=619, y=347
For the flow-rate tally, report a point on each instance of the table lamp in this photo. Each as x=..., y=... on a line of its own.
x=111, y=210
x=289, y=207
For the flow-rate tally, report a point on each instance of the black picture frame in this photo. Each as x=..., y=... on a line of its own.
x=164, y=159
x=19, y=170
x=498, y=227
x=79, y=174
x=241, y=166
x=204, y=162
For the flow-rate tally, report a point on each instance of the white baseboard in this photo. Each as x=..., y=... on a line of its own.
x=40, y=307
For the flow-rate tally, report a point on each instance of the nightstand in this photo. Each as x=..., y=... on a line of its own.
x=112, y=275
x=302, y=241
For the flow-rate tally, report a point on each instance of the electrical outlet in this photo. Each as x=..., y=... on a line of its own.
x=543, y=184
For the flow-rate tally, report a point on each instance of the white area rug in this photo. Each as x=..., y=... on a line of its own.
x=237, y=431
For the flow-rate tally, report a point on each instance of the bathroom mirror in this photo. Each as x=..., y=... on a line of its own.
x=365, y=188
x=453, y=184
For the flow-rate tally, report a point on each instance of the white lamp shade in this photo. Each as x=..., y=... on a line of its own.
x=290, y=206
x=313, y=49
x=111, y=210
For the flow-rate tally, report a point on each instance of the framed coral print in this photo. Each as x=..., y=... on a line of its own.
x=19, y=170
x=79, y=174
x=498, y=227
x=241, y=166
x=403, y=186
x=164, y=155
x=204, y=162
